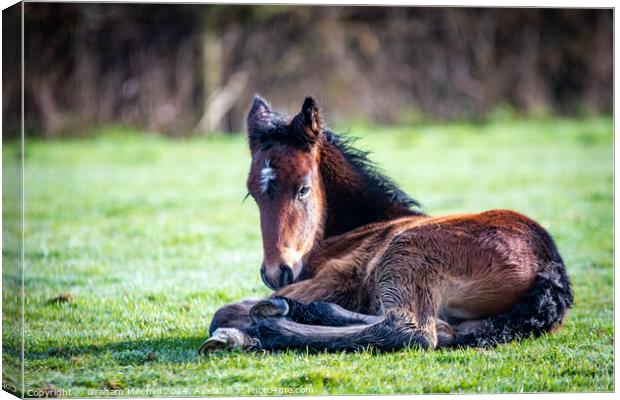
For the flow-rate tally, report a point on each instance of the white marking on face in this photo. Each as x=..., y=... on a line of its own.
x=267, y=174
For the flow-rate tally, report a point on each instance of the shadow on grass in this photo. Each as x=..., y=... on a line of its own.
x=138, y=352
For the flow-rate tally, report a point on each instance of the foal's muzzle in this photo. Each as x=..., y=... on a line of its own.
x=282, y=277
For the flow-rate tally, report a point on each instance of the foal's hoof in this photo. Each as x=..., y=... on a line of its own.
x=446, y=334
x=421, y=342
x=269, y=308
x=226, y=339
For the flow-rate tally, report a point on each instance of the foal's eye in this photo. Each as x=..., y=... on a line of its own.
x=303, y=191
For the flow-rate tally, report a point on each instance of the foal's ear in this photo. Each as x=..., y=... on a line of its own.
x=259, y=116
x=311, y=115
x=306, y=126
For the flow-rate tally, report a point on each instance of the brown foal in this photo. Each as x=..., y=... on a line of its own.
x=354, y=265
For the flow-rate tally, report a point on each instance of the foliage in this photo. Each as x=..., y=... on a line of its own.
x=191, y=67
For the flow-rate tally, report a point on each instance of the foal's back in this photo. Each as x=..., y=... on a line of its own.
x=481, y=262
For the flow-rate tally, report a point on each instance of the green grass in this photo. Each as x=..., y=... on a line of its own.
x=151, y=237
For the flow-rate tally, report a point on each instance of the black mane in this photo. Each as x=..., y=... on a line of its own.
x=365, y=167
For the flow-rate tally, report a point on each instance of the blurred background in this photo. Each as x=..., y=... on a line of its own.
x=192, y=69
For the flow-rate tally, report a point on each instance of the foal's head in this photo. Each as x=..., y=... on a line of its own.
x=285, y=182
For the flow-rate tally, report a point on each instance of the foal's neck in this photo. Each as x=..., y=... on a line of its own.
x=355, y=194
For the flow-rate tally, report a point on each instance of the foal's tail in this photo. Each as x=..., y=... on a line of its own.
x=541, y=309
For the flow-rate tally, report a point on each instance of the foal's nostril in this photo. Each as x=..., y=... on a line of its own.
x=263, y=276
x=286, y=275
x=277, y=279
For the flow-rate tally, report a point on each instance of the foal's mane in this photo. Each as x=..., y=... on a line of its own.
x=364, y=166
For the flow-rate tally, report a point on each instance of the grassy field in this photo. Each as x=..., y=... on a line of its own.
x=150, y=236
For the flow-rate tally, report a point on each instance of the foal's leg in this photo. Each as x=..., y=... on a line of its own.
x=407, y=284
x=314, y=313
x=231, y=327
x=446, y=333
x=391, y=333
x=396, y=330
x=323, y=301
x=260, y=324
